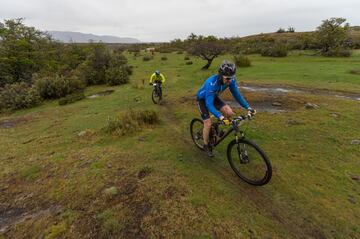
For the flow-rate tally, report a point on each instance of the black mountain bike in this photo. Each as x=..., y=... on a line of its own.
x=156, y=93
x=248, y=160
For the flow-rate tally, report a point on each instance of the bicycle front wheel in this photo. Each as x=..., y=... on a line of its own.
x=155, y=97
x=249, y=162
x=196, y=131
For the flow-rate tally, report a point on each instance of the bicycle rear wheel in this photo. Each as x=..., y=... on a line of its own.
x=196, y=131
x=249, y=162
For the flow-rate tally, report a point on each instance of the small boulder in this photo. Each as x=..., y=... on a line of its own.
x=311, y=106
x=355, y=142
x=112, y=191
x=276, y=103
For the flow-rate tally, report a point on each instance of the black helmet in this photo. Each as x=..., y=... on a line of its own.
x=227, y=68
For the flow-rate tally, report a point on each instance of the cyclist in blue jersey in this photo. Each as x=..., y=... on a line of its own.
x=209, y=101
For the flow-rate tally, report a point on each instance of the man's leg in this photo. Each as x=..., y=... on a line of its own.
x=206, y=130
x=227, y=111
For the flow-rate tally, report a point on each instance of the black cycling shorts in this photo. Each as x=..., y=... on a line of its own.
x=218, y=103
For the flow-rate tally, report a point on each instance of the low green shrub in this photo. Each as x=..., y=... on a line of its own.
x=242, y=61
x=179, y=52
x=164, y=58
x=275, y=50
x=117, y=76
x=186, y=58
x=146, y=58
x=355, y=72
x=189, y=63
x=337, y=52
x=72, y=98
x=53, y=87
x=18, y=96
x=131, y=121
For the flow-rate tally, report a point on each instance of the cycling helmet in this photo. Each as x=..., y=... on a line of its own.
x=157, y=72
x=227, y=68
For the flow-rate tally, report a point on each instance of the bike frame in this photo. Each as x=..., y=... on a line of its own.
x=229, y=131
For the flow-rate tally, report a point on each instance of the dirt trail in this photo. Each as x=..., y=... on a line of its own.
x=283, y=216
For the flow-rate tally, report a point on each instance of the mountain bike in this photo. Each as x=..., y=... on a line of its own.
x=156, y=95
x=246, y=158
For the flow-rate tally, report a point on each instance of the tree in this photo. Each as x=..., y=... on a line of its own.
x=291, y=29
x=207, y=48
x=333, y=36
x=23, y=51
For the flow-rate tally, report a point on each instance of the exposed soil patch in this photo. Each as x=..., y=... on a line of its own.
x=12, y=122
x=101, y=93
x=278, y=90
x=11, y=216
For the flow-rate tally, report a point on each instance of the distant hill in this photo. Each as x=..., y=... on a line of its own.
x=79, y=37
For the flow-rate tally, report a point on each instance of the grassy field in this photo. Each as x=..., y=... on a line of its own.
x=154, y=183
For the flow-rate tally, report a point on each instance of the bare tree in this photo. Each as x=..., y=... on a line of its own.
x=207, y=48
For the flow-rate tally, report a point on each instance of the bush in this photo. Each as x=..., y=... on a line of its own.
x=164, y=58
x=117, y=75
x=146, y=58
x=337, y=52
x=186, y=58
x=18, y=96
x=355, y=72
x=189, y=63
x=275, y=50
x=131, y=121
x=179, y=52
x=53, y=87
x=242, y=61
x=129, y=70
x=72, y=98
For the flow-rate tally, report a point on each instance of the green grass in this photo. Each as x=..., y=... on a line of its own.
x=153, y=182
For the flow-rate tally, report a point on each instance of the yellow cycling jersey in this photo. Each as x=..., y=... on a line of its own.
x=155, y=78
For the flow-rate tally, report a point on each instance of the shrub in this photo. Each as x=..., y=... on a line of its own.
x=337, y=52
x=186, y=58
x=129, y=70
x=275, y=50
x=117, y=76
x=179, y=52
x=131, y=121
x=53, y=87
x=164, y=58
x=72, y=98
x=18, y=96
x=242, y=61
x=355, y=72
x=189, y=63
x=146, y=58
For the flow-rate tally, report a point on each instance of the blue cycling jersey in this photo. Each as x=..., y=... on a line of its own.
x=212, y=87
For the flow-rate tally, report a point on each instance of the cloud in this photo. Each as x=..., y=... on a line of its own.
x=163, y=20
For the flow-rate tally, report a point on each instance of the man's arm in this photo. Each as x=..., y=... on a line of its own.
x=209, y=100
x=162, y=78
x=152, y=78
x=236, y=93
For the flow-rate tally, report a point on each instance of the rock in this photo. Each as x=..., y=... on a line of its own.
x=335, y=115
x=355, y=177
x=276, y=103
x=142, y=139
x=109, y=165
x=112, y=191
x=351, y=199
x=311, y=106
x=355, y=142
x=294, y=122
x=86, y=133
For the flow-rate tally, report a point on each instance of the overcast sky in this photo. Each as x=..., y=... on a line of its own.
x=164, y=20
